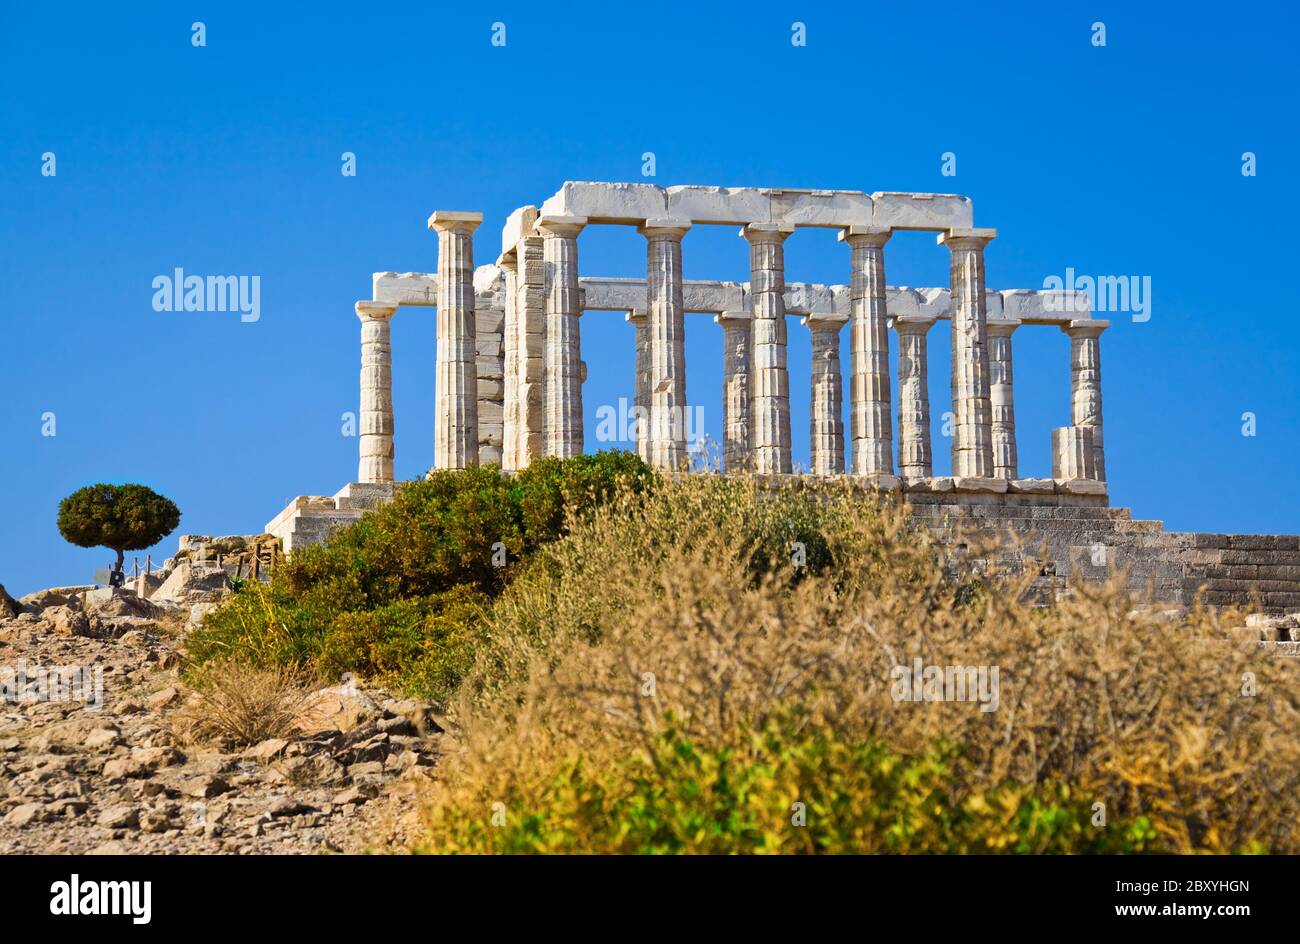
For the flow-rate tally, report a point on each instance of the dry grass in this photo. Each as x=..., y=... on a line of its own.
x=241, y=704
x=653, y=609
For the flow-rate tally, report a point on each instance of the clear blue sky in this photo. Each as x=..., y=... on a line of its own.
x=1121, y=160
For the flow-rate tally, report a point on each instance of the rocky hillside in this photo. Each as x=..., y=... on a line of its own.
x=99, y=750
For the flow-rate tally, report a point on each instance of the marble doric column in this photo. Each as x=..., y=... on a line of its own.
x=510, y=342
x=665, y=309
x=563, y=343
x=376, y=420
x=735, y=389
x=456, y=419
x=869, y=410
x=827, y=423
x=972, y=435
x=1005, y=463
x=639, y=320
x=769, y=398
x=530, y=313
x=915, y=460
x=1085, y=383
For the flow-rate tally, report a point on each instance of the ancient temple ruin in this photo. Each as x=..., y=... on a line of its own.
x=510, y=371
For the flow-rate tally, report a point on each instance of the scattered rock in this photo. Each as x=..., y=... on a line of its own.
x=102, y=737
x=25, y=814
x=341, y=709
x=122, y=768
x=161, y=699
x=119, y=816
x=65, y=621
x=155, y=821
x=268, y=750
x=128, y=706
x=288, y=806
x=204, y=787
x=110, y=602
x=358, y=794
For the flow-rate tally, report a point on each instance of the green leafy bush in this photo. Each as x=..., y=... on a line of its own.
x=789, y=788
x=401, y=592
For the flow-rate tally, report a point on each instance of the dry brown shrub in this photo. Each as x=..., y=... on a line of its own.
x=660, y=595
x=241, y=704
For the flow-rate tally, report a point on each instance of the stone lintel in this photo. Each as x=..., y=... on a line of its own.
x=518, y=225
x=633, y=203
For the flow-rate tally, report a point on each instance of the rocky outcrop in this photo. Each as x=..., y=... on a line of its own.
x=9, y=607
x=124, y=775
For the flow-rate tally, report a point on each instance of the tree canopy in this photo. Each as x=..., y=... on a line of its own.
x=120, y=517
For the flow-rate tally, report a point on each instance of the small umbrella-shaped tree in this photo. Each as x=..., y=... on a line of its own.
x=120, y=517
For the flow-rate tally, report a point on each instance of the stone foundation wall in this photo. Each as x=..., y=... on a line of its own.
x=1077, y=537
x=1063, y=535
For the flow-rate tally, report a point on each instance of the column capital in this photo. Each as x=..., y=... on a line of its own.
x=828, y=325
x=664, y=228
x=455, y=221
x=725, y=318
x=509, y=260
x=965, y=237
x=766, y=232
x=637, y=317
x=1002, y=327
x=1085, y=328
x=913, y=325
x=375, y=311
x=555, y=225
x=865, y=235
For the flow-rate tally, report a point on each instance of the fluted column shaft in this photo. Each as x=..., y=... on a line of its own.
x=827, y=423
x=769, y=399
x=456, y=418
x=972, y=439
x=1002, y=400
x=915, y=459
x=530, y=313
x=735, y=389
x=1085, y=383
x=510, y=340
x=641, y=390
x=869, y=410
x=376, y=420
x=665, y=309
x=563, y=339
